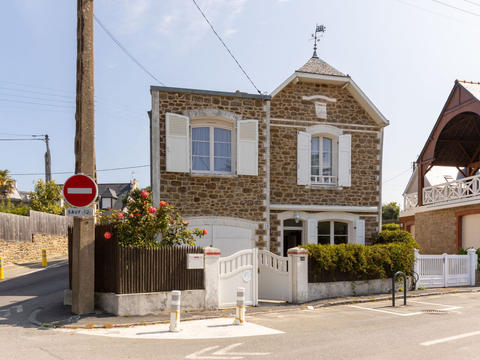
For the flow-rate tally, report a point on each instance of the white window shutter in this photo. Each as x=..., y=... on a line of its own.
x=177, y=142
x=345, y=160
x=247, y=147
x=304, y=160
x=360, y=233
x=312, y=230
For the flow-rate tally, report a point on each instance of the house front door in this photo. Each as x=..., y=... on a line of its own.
x=291, y=239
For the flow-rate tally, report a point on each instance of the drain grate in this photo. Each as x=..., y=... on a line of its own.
x=435, y=312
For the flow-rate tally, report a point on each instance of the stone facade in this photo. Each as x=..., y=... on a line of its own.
x=236, y=196
x=436, y=231
x=18, y=252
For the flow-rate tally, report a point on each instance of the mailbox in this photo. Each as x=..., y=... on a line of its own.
x=194, y=261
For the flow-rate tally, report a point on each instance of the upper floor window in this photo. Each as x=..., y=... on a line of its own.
x=322, y=164
x=211, y=149
x=323, y=156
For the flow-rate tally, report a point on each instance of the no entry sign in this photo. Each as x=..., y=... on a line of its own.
x=80, y=190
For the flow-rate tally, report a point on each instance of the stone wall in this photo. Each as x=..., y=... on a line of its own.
x=237, y=196
x=436, y=230
x=289, y=114
x=16, y=252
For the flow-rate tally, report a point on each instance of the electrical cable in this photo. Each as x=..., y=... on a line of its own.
x=226, y=47
x=456, y=8
x=71, y=172
x=429, y=11
x=125, y=50
x=396, y=176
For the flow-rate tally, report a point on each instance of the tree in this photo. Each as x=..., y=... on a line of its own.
x=46, y=197
x=7, y=184
x=390, y=211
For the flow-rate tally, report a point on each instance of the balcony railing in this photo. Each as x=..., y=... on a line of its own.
x=410, y=201
x=323, y=180
x=453, y=190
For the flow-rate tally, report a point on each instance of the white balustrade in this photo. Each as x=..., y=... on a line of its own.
x=452, y=190
x=410, y=201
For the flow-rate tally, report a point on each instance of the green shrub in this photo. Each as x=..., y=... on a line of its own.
x=351, y=262
x=396, y=236
x=8, y=207
x=391, y=226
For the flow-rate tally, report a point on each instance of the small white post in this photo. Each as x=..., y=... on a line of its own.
x=175, y=311
x=473, y=259
x=240, y=309
x=416, y=266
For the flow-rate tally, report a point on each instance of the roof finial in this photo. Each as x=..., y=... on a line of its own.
x=318, y=29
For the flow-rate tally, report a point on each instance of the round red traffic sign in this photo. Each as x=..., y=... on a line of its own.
x=80, y=190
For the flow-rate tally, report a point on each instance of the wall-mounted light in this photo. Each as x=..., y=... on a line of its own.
x=297, y=217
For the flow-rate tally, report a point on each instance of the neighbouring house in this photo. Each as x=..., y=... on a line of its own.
x=18, y=197
x=113, y=196
x=301, y=165
x=442, y=210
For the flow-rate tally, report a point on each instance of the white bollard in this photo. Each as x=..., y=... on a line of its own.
x=240, y=310
x=175, y=311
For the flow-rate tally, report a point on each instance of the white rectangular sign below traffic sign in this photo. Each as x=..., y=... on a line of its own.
x=79, y=212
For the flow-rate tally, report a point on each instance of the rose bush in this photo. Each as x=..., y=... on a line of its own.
x=140, y=222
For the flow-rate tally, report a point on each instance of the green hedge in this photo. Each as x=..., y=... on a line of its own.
x=8, y=207
x=351, y=262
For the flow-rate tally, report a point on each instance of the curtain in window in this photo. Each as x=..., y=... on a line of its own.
x=326, y=156
x=201, y=149
x=222, y=150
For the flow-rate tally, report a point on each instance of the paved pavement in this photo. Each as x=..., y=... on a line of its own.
x=437, y=326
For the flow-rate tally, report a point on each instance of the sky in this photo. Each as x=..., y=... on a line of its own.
x=404, y=54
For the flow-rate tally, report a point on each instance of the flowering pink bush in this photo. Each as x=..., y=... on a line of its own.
x=141, y=224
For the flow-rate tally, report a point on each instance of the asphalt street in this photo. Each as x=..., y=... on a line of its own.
x=433, y=327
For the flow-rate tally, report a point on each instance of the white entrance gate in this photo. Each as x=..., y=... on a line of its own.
x=445, y=270
x=238, y=270
x=273, y=277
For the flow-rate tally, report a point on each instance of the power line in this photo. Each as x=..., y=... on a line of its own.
x=226, y=47
x=429, y=11
x=125, y=50
x=456, y=8
x=71, y=172
x=472, y=2
x=396, y=176
x=36, y=103
x=21, y=139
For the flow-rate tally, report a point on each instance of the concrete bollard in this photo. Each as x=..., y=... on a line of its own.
x=1, y=269
x=175, y=311
x=240, y=310
x=44, y=257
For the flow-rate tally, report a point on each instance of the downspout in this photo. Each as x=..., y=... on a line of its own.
x=155, y=148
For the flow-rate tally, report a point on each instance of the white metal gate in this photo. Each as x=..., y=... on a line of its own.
x=273, y=277
x=238, y=270
x=445, y=270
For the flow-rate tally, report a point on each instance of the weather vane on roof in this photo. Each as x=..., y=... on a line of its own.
x=318, y=29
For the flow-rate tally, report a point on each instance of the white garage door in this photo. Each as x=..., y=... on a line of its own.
x=228, y=236
x=471, y=231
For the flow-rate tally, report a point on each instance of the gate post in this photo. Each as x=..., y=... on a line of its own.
x=472, y=266
x=416, y=267
x=445, y=270
x=298, y=274
x=211, y=277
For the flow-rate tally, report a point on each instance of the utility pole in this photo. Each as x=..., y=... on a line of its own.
x=48, y=162
x=83, y=249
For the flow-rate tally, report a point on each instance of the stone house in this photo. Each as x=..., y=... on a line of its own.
x=302, y=165
x=444, y=215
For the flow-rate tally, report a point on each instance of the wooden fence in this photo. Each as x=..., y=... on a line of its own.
x=127, y=270
x=20, y=228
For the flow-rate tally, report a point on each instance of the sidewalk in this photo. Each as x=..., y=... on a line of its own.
x=12, y=271
x=60, y=315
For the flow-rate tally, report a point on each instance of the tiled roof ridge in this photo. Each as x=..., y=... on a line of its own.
x=469, y=82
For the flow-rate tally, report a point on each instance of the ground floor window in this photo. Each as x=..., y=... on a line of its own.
x=332, y=232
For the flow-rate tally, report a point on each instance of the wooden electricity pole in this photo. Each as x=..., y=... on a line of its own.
x=83, y=249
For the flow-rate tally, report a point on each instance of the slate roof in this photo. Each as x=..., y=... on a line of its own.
x=318, y=66
x=115, y=191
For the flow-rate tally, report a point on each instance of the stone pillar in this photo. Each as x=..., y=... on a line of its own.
x=298, y=274
x=211, y=277
x=473, y=261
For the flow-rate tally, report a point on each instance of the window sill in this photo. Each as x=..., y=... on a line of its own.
x=213, y=175
x=325, y=186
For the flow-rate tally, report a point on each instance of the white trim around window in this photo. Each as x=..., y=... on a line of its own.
x=213, y=149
